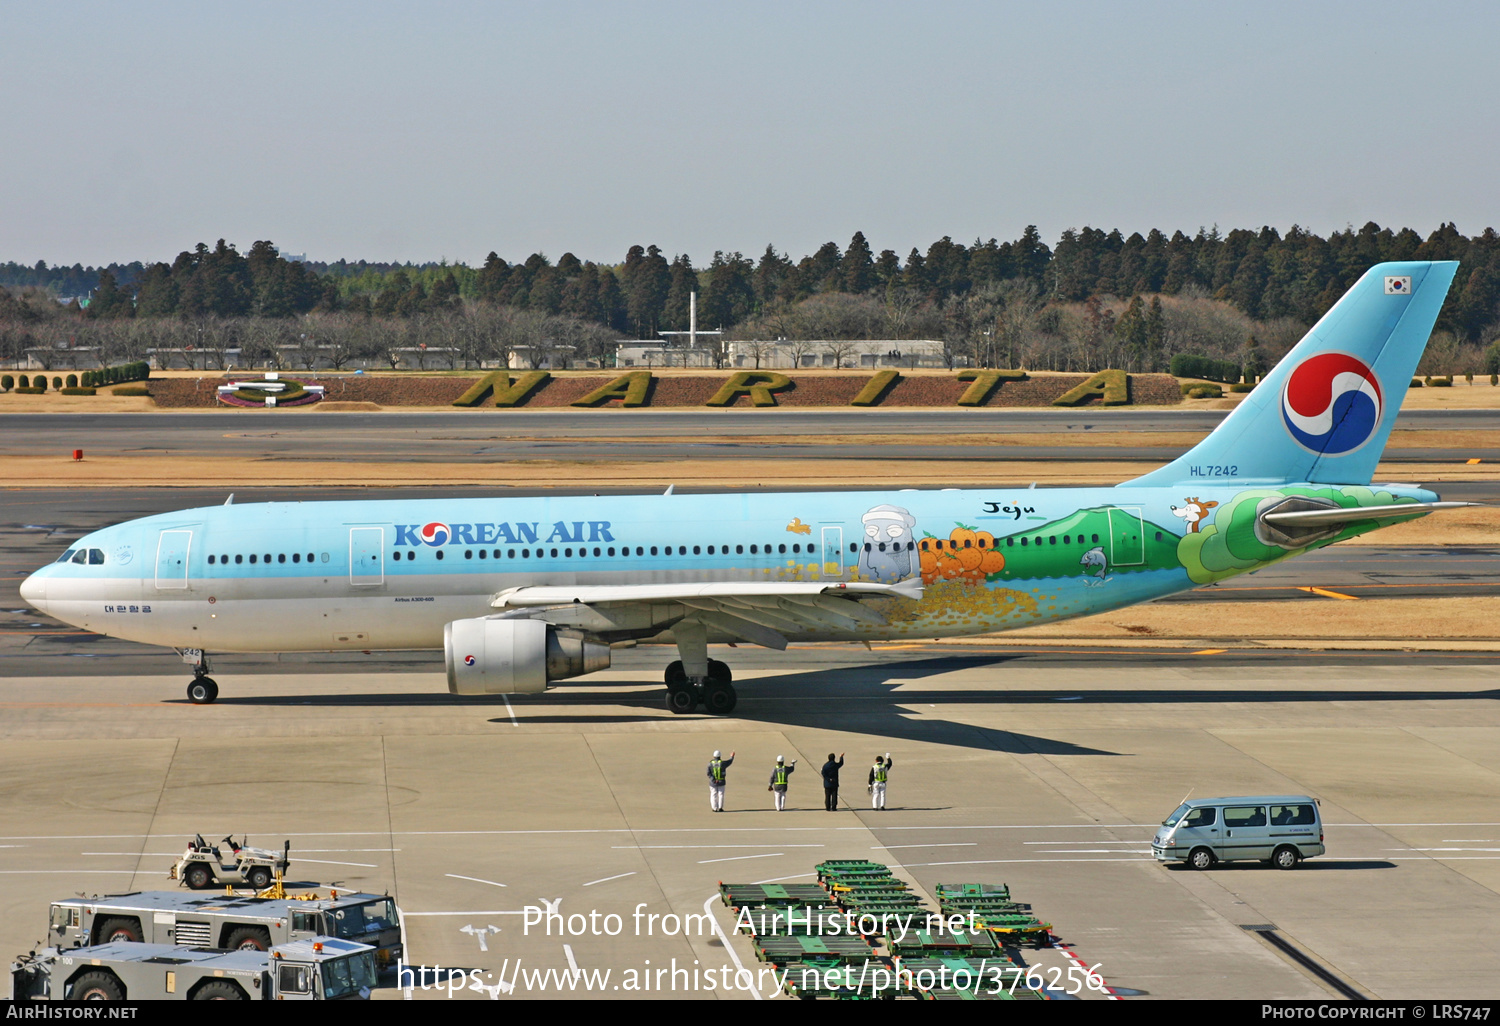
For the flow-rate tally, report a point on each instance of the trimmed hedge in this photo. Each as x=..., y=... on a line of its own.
x=633, y=389
x=1111, y=387
x=1187, y=365
x=1445, y=382
x=130, y=390
x=140, y=370
x=77, y=391
x=1241, y=387
x=1205, y=392
x=876, y=388
x=7, y=382
x=28, y=390
x=985, y=382
x=508, y=392
x=760, y=387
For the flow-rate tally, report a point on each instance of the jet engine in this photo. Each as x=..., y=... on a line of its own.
x=515, y=657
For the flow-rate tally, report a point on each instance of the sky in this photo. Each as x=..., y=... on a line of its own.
x=445, y=130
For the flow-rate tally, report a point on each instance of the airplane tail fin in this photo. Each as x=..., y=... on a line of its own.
x=1324, y=413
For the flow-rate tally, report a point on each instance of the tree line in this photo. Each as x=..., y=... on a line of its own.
x=1094, y=296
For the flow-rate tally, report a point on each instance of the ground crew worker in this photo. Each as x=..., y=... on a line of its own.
x=831, y=782
x=718, y=772
x=778, y=780
x=879, y=774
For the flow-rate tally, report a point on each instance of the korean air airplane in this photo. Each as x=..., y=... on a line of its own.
x=522, y=592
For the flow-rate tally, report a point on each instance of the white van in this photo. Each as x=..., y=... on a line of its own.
x=1280, y=830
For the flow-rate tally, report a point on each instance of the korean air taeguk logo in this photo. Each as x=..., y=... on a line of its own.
x=435, y=533
x=1331, y=403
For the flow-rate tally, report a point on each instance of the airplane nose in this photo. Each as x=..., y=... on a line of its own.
x=34, y=591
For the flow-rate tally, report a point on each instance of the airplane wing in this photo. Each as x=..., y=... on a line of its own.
x=760, y=612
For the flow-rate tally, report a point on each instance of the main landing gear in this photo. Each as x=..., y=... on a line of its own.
x=715, y=693
x=203, y=689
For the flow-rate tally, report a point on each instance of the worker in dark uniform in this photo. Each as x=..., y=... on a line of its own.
x=831, y=782
x=718, y=773
x=779, y=777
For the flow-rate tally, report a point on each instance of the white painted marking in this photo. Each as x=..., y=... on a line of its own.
x=1442, y=849
x=329, y=862
x=607, y=879
x=1008, y=862
x=405, y=991
x=475, y=879
x=729, y=948
x=466, y=912
x=1093, y=851
x=779, y=879
x=94, y=872
x=1469, y=840
x=134, y=854
x=511, y=712
x=1084, y=842
x=741, y=858
x=572, y=962
x=656, y=847
x=939, y=844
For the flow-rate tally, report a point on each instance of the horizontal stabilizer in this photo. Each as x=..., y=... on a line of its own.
x=1330, y=517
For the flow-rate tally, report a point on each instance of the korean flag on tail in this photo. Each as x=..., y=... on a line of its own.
x=1397, y=285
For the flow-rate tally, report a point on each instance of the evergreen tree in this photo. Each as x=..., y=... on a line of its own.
x=857, y=269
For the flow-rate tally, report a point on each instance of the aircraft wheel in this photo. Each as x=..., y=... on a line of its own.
x=197, y=876
x=681, y=699
x=719, y=697
x=675, y=674
x=202, y=691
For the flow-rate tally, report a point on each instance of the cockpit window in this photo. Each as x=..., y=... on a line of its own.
x=81, y=556
x=91, y=557
x=96, y=557
x=65, y=556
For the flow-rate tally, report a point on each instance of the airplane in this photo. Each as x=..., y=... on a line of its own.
x=521, y=592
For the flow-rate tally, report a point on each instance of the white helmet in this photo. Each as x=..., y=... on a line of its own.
x=781, y=758
x=716, y=755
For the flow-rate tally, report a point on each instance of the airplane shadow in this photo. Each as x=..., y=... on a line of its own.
x=866, y=699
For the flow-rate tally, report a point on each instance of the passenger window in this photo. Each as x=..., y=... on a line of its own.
x=468, y=553
x=439, y=553
x=483, y=554
x=566, y=552
x=554, y=553
x=268, y=557
x=509, y=553
x=281, y=557
x=239, y=559
x=1052, y=539
x=210, y=561
x=252, y=557
x=1025, y=541
x=1199, y=818
x=297, y=557
x=1291, y=815
x=710, y=550
x=1245, y=816
x=752, y=550
x=781, y=548
x=739, y=550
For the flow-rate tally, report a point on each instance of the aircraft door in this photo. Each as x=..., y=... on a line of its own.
x=1127, y=537
x=833, y=552
x=172, y=549
x=366, y=556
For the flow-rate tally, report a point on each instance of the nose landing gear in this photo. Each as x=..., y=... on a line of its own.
x=203, y=689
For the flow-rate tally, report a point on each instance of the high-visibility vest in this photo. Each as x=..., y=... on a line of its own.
x=716, y=768
x=781, y=776
x=880, y=773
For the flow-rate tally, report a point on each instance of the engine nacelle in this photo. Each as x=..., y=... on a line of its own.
x=515, y=657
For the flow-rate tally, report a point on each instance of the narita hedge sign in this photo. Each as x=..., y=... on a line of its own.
x=765, y=389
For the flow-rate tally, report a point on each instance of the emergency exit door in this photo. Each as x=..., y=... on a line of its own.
x=1127, y=537
x=833, y=552
x=366, y=556
x=172, y=549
